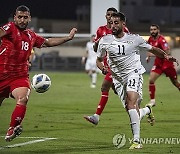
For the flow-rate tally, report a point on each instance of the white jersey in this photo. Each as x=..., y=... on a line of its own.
x=91, y=53
x=123, y=54
x=91, y=57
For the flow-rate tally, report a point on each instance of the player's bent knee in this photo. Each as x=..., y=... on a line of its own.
x=151, y=81
x=105, y=87
x=23, y=100
x=130, y=106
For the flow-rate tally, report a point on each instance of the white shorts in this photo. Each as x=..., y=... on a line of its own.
x=90, y=65
x=133, y=82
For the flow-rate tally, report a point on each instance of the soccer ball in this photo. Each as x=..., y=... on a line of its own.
x=41, y=83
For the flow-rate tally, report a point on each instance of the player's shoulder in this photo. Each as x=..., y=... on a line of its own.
x=132, y=35
x=162, y=38
x=150, y=38
x=8, y=25
x=11, y=23
x=31, y=32
x=102, y=29
x=107, y=38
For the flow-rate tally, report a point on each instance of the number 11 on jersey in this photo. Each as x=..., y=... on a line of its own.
x=121, y=49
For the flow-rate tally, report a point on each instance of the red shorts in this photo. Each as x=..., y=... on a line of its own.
x=8, y=85
x=164, y=66
x=108, y=77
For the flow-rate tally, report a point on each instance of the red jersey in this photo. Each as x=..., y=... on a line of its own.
x=15, y=50
x=161, y=43
x=104, y=30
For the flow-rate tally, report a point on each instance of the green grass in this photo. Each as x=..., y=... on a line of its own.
x=59, y=112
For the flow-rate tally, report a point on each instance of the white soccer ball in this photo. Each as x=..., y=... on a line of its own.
x=41, y=83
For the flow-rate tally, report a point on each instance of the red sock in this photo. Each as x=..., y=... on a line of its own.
x=102, y=103
x=17, y=115
x=152, y=90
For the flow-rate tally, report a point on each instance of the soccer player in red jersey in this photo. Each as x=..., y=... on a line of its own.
x=107, y=83
x=16, y=44
x=160, y=65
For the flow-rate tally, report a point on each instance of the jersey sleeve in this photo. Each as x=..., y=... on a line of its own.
x=101, y=51
x=39, y=41
x=163, y=43
x=143, y=44
x=8, y=28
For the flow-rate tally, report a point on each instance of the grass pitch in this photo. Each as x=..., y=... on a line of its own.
x=59, y=112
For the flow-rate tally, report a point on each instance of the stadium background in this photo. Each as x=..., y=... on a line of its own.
x=57, y=17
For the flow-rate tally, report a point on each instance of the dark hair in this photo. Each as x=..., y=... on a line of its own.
x=120, y=15
x=22, y=8
x=111, y=9
x=155, y=25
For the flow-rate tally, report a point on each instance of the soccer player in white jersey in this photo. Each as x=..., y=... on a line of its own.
x=90, y=58
x=126, y=69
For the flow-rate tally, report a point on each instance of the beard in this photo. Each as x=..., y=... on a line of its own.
x=22, y=26
x=154, y=34
x=116, y=32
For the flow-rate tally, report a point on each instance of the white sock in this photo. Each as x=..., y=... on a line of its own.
x=152, y=100
x=94, y=78
x=143, y=112
x=135, y=124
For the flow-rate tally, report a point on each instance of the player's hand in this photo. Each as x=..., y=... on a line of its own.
x=170, y=58
x=105, y=70
x=72, y=33
x=148, y=58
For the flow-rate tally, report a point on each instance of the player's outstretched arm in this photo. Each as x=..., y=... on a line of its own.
x=160, y=53
x=58, y=41
x=101, y=66
x=149, y=55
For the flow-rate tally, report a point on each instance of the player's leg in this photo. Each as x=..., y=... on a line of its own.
x=94, y=79
x=132, y=95
x=171, y=73
x=132, y=109
x=21, y=96
x=88, y=69
x=152, y=88
x=94, y=74
x=128, y=93
x=129, y=98
x=176, y=83
x=147, y=110
x=106, y=85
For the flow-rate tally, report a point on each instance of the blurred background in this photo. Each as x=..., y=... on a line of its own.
x=57, y=17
